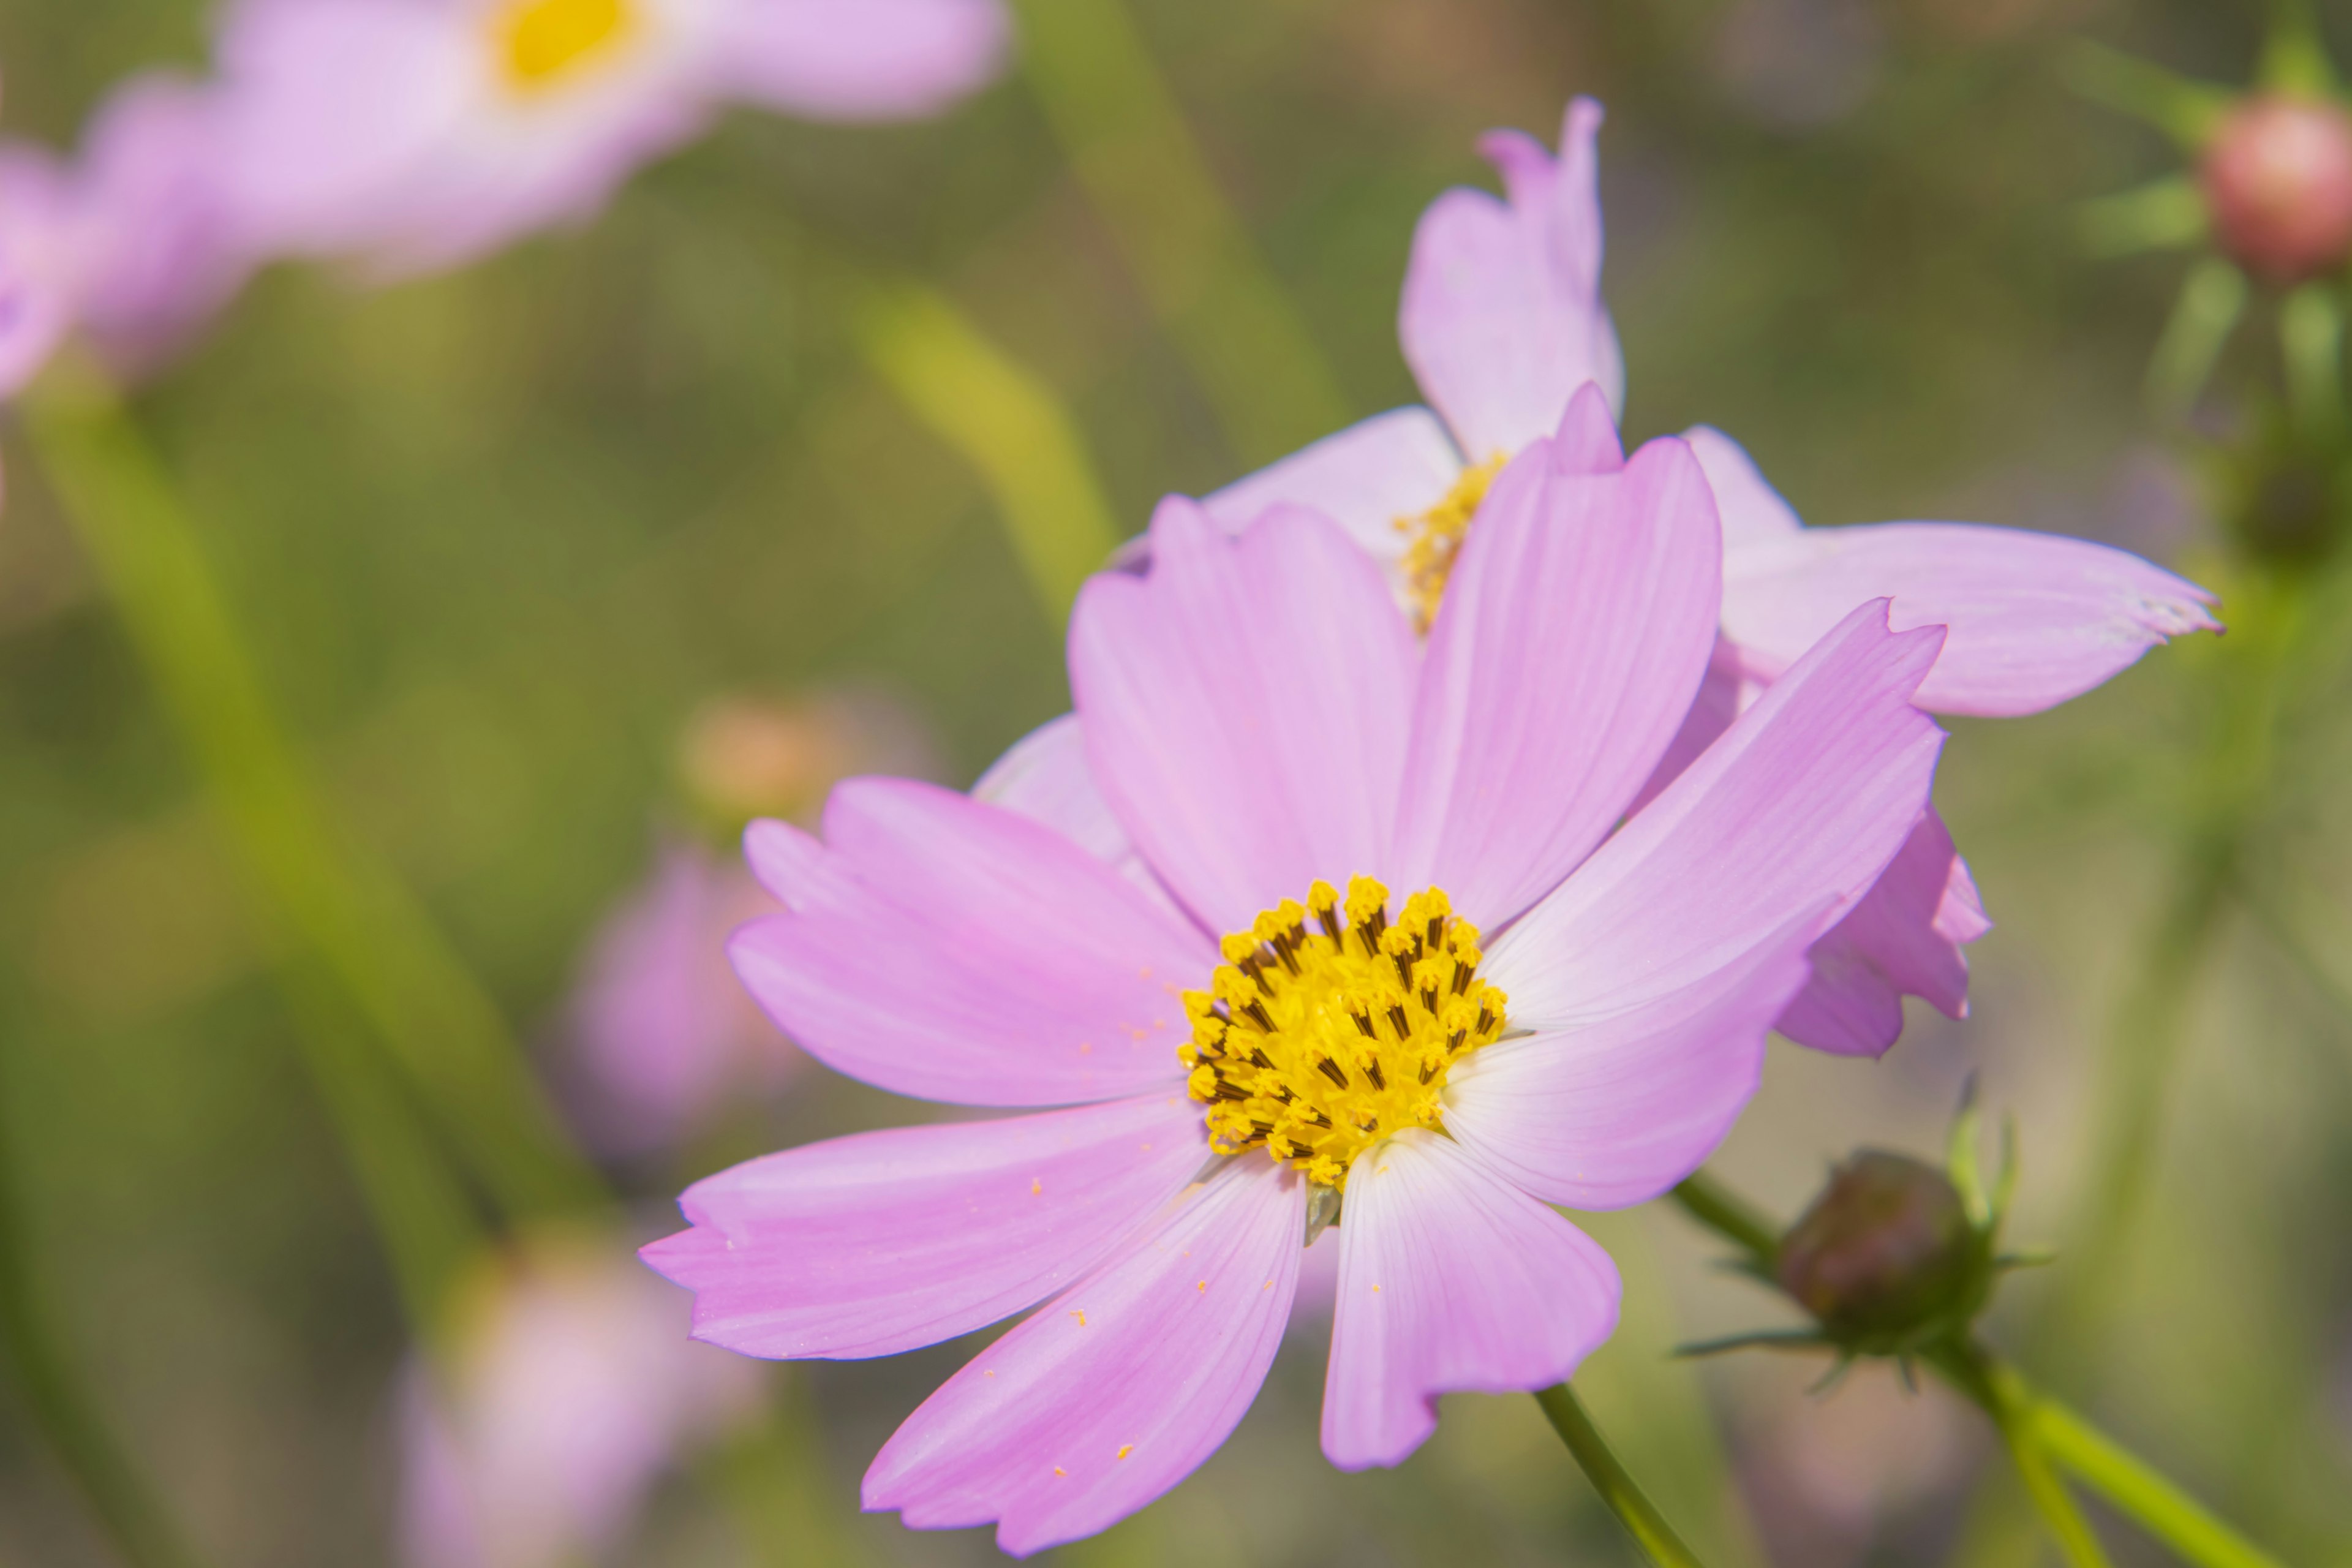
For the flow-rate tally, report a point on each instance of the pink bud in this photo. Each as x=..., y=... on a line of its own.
x=2278, y=181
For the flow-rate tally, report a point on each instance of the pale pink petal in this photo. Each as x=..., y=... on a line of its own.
x=1450, y=1281
x=1800, y=806
x=862, y=59
x=1118, y=1390
x=1046, y=777
x=1903, y=939
x=1502, y=316
x=1367, y=478
x=1587, y=441
x=881, y=1242
x=2035, y=618
x=954, y=950
x=1574, y=630
x=1246, y=706
x=1722, y=694
x=1617, y=1112
x=1753, y=510
x=38, y=275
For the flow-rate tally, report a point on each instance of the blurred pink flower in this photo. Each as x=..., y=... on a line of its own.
x=1261, y=725
x=663, y=1031
x=1502, y=321
x=36, y=266
x=421, y=133
x=568, y=1390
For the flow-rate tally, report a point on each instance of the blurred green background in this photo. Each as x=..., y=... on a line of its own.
x=497, y=536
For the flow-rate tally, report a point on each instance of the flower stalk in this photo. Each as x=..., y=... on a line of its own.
x=2042, y=1434
x=1610, y=1478
x=353, y=912
x=1128, y=141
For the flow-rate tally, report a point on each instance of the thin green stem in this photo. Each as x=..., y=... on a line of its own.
x=1626, y=1499
x=2051, y=1434
x=2000, y=1394
x=1008, y=424
x=2125, y=1480
x=351, y=910
x=2311, y=340
x=1142, y=168
x=62, y=1406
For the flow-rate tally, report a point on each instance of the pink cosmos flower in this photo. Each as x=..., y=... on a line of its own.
x=1502, y=321
x=419, y=133
x=568, y=1392
x=1172, y=917
x=663, y=1032
x=36, y=271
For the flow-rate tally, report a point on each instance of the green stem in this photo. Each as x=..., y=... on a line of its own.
x=2001, y=1394
x=125, y=1505
x=1008, y=424
x=2053, y=1433
x=1626, y=1500
x=349, y=909
x=2127, y=1481
x=1142, y=168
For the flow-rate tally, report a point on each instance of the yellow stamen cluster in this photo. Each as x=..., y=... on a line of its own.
x=540, y=40
x=1434, y=539
x=1326, y=1027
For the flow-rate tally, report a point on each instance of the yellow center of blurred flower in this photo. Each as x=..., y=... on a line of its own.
x=1327, y=1028
x=1434, y=539
x=541, y=41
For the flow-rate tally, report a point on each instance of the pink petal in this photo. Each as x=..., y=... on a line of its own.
x=1903, y=939
x=1615, y=1113
x=1587, y=440
x=1046, y=777
x=2035, y=618
x=1796, y=809
x=1117, y=1390
x=1753, y=510
x=1502, y=316
x=1450, y=1281
x=1575, y=629
x=1246, y=706
x=878, y=1242
x=863, y=60
x=954, y=951
x=1724, y=692
x=1366, y=479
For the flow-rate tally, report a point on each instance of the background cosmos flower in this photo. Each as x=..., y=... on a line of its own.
x=420, y=133
x=1502, y=320
x=1258, y=714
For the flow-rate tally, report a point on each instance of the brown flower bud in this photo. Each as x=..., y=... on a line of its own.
x=1886, y=1253
x=2277, y=177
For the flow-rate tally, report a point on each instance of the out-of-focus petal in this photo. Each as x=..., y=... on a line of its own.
x=1502, y=316
x=1246, y=706
x=1118, y=1390
x=1367, y=478
x=160, y=251
x=954, y=951
x=1903, y=939
x=1573, y=634
x=1450, y=1281
x=1753, y=510
x=37, y=280
x=2035, y=618
x=862, y=59
x=663, y=1031
x=1614, y=1114
x=1797, y=807
x=881, y=1242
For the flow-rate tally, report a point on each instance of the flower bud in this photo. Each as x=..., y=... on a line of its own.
x=1886, y=1254
x=2277, y=177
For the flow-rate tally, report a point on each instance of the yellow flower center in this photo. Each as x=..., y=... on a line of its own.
x=1434, y=538
x=540, y=40
x=1326, y=1030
